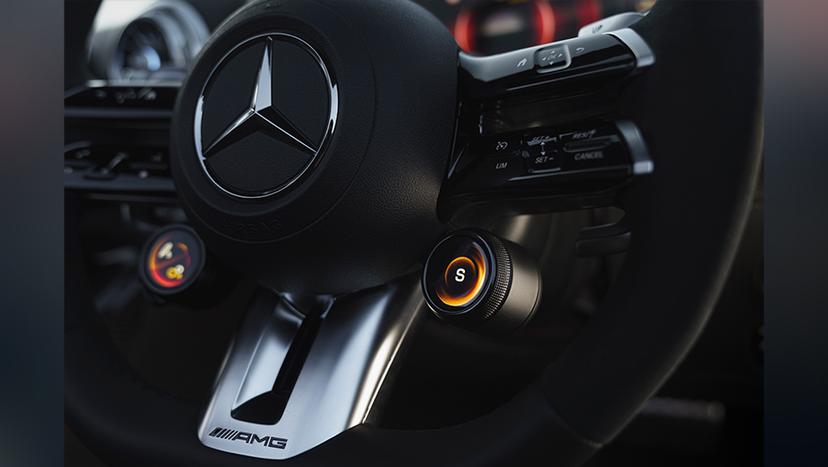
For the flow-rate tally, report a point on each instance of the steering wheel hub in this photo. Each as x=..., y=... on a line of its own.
x=302, y=144
x=262, y=148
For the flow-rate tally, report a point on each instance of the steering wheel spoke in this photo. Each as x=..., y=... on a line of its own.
x=302, y=371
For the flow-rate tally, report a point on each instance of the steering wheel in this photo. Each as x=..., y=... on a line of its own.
x=324, y=147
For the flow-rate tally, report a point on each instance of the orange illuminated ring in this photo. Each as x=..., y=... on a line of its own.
x=478, y=267
x=160, y=269
x=460, y=259
x=458, y=274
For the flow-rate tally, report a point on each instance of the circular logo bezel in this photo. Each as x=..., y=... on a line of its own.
x=333, y=99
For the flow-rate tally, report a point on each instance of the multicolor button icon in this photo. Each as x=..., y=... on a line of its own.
x=173, y=259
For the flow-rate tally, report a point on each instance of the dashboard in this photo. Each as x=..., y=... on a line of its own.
x=140, y=40
x=486, y=27
x=137, y=53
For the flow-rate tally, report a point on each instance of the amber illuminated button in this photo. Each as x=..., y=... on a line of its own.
x=462, y=281
x=172, y=259
x=457, y=273
x=478, y=280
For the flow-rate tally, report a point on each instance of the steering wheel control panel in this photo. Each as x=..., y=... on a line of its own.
x=477, y=279
x=544, y=128
x=561, y=163
x=585, y=59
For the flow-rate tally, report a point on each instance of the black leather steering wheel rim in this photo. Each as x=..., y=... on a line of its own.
x=700, y=111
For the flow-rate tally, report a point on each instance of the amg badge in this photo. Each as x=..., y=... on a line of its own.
x=249, y=438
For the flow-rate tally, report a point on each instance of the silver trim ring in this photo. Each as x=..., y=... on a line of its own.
x=333, y=95
x=644, y=56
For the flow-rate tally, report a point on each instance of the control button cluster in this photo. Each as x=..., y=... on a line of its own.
x=561, y=63
x=552, y=58
x=110, y=166
x=544, y=157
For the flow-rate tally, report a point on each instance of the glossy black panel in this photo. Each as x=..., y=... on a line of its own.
x=578, y=62
x=230, y=92
x=275, y=162
x=299, y=90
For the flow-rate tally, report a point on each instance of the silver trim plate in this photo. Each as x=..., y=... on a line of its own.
x=642, y=162
x=611, y=23
x=644, y=56
x=347, y=364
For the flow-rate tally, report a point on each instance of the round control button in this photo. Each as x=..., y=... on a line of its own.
x=457, y=274
x=479, y=280
x=462, y=281
x=172, y=260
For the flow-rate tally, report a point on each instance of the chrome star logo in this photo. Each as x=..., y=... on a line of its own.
x=262, y=116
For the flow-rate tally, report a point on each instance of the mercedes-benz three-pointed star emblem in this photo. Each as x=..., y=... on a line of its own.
x=262, y=116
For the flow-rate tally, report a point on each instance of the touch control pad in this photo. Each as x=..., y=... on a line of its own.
x=552, y=58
